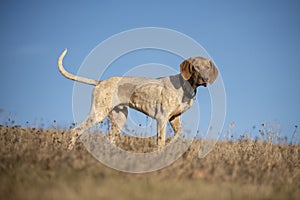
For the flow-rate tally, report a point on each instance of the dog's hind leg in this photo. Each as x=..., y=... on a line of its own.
x=100, y=108
x=92, y=120
x=118, y=118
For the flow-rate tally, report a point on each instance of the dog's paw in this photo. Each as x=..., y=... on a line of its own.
x=71, y=143
x=112, y=140
x=70, y=146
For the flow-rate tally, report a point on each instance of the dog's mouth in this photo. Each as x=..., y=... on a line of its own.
x=204, y=84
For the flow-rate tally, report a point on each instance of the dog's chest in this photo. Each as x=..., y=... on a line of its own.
x=183, y=106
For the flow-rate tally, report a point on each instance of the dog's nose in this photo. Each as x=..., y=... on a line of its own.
x=205, y=79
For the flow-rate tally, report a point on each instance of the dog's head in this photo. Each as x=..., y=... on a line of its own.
x=200, y=71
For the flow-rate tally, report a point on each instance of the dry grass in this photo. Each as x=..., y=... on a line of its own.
x=35, y=165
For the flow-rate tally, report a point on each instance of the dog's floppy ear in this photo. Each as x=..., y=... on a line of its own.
x=186, y=69
x=214, y=72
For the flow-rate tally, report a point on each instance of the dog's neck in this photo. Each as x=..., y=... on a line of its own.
x=189, y=87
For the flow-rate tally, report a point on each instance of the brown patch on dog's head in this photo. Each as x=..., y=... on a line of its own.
x=186, y=69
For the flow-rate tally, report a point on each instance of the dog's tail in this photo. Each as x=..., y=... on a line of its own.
x=71, y=76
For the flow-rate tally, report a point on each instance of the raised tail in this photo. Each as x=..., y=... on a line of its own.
x=71, y=76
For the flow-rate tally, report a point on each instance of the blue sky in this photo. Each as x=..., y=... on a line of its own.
x=255, y=45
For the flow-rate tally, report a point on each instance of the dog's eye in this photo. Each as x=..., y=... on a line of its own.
x=197, y=69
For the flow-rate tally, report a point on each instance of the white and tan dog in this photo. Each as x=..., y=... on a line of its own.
x=164, y=99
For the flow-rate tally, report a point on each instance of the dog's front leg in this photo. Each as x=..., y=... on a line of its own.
x=176, y=125
x=161, y=133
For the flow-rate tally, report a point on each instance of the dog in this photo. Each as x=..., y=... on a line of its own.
x=163, y=99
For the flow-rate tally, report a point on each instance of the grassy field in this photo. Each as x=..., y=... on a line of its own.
x=35, y=165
